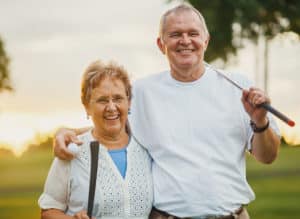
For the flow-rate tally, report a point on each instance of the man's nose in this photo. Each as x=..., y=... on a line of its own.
x=185, y=39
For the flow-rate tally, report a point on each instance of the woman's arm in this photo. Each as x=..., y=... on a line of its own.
x=57, y=186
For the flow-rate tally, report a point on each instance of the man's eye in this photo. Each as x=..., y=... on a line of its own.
x=176, y=34
x=194, y=34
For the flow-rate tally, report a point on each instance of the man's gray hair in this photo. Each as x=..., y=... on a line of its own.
x=178, y=9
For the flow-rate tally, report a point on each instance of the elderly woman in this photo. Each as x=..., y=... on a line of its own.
x=124, y=182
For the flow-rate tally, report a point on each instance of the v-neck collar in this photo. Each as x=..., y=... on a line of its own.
x=105, y=152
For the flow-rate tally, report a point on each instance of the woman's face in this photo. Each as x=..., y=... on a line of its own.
x=108, y=107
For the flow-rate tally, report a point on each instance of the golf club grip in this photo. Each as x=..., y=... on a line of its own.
x=94, y=146
x=278, y=114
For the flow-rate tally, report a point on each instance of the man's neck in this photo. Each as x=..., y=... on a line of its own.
x=187, y=75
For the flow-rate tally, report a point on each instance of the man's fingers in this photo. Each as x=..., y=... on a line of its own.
x=64, y=137
x=75, y=140
x=255, y=97
x=81, y=215
x=63, y=153
x=245, y=96
x=259, y=100
x=68, y=155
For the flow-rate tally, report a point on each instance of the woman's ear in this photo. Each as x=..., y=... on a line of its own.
x=87, y=111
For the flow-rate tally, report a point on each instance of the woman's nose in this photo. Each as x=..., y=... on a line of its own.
x=111, y=105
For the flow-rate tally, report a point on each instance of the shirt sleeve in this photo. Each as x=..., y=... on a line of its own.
x=56, y=189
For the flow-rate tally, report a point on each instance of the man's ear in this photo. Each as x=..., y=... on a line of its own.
x=160, y=45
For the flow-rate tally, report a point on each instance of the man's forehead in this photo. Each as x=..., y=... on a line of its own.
x=178, y=18
x=182, y=12
x=179, y=15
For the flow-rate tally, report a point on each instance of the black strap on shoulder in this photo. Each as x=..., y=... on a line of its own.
x=94, y=145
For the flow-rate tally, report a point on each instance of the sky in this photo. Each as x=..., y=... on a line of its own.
x=50, y=43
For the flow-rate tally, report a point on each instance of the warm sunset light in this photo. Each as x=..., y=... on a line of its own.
x=45, y=47
x=47, y=64
x=19, y=129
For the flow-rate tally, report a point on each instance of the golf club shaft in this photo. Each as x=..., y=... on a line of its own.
x=266, y=106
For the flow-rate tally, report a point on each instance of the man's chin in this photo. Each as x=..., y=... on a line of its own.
x=186, y=65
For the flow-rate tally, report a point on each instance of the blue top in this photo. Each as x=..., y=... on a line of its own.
x=119, y=156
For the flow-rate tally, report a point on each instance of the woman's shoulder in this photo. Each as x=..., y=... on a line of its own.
x=137, y=148
x=85, y=138
x=82, y=151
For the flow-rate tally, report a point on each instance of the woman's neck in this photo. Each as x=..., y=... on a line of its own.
x=111, y=141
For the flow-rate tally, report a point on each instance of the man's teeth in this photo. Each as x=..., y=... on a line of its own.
x=185, y=50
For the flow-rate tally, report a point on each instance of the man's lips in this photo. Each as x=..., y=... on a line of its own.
x=185, y=51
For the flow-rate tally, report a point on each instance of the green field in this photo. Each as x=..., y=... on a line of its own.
x=277, y=186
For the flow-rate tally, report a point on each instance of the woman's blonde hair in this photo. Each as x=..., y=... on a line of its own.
x=96, y=72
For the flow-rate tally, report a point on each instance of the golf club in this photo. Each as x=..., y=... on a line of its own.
x=266, y=106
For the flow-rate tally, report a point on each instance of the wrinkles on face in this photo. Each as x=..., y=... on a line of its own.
x=184, y=43
x=108, y=107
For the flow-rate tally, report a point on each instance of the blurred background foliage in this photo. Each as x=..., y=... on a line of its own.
x=5, y=83
x=230, y=21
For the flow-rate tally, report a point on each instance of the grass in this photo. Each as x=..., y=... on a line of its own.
x=277, y=186
x=21, y=183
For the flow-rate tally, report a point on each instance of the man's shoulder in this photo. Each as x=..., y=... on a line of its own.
x=238, y=77
x=241, y=79
x=150, y=79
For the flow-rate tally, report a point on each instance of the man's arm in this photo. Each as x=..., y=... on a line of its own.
x=265, y=144
x=62, y=138
x=54, y=214
x=58, y=214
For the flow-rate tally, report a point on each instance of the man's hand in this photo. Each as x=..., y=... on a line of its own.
x=82, y=215
x=251, y=99
x=265, y=144
x=62, y=138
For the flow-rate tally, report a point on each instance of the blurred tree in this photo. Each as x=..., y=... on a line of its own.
x=229, y=21
x=4, y=70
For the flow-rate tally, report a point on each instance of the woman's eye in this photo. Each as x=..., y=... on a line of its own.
x=118, y=99
x=102, y=101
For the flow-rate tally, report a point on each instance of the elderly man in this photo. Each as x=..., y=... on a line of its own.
x=196, y=127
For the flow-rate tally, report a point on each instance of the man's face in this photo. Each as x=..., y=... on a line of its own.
x=184, y=42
